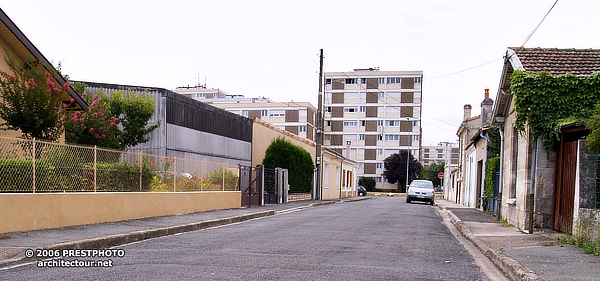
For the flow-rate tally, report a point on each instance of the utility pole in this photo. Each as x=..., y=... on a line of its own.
x=318, y=184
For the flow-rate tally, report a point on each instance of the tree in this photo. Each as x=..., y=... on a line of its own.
x=395, y=169
x=118, y=123
x=283, y=154
x=368, y=183
x=30, y=100
x=431, y=173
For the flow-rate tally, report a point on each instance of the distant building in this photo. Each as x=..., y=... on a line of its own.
x=444, y=152
x=201, y=92
x=374, y=114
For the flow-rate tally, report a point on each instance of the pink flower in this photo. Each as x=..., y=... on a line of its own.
x=101, y=128
x=65, y=105
x=31, y=82
x=77, y=113
x=72, y=100
x=13, y=78
x=112, y=123
x=91, y=129
x=54, y=108
x=83, y=115
x=49, y=137
x=49, y=91
x=96, y=96
x=47, y=74
x=66, y=85
x=96, y=136
x=101, y=114
x=103, y=136
x=83, y=126
x=84, y=95
x=41, y=122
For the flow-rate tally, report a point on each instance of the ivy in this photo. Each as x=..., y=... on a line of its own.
x=545, y=102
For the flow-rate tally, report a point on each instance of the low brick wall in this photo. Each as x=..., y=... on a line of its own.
x=29, y=211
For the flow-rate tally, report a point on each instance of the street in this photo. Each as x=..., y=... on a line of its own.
x=378, y=239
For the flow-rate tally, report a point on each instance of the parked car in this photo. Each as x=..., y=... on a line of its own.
x=420, y=190
x=362, y=191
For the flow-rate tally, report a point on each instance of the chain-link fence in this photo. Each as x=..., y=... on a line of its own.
x=38, y=166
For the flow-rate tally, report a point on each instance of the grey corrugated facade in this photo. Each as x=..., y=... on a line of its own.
x=191, y=129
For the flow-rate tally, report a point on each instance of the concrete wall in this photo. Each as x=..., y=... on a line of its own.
x=25, y=212
x=264, y=133
x=586, y=216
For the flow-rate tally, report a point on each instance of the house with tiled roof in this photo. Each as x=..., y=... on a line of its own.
x=17, y=45
x=533, y=179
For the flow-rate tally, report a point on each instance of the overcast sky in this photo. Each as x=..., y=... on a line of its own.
x=270, y=48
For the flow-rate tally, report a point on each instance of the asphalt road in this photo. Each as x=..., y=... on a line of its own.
x=378, y=239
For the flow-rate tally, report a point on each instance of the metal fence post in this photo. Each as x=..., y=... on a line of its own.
x=201, y=174
x=33, y=163
x=95, y=168
x=174, y=172
x=140, y=161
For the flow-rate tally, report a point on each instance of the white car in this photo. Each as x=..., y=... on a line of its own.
x=420, y=190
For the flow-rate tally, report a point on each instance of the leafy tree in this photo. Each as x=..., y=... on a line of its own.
x=283, y=154
x=368, y=183
x=118, y=123
x=395, y=169
x=30, y=100
x=431, y=173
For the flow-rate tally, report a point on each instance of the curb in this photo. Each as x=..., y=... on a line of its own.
x=509, y=266
x=120, y=239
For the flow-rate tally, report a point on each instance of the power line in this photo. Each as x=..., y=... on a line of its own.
x=535, y=29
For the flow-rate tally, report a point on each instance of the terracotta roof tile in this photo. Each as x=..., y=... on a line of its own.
x=559, y=61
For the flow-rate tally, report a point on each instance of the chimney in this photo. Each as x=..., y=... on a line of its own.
x=487, y=109
x=467, y=109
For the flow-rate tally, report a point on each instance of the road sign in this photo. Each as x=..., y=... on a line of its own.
x=441, y=175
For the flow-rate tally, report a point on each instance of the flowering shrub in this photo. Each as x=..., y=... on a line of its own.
x=30, y=100
x=96, y=127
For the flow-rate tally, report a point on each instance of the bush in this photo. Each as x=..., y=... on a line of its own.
x=283, y=154
x=231, y=179
x=368, y=183
x=122, y=176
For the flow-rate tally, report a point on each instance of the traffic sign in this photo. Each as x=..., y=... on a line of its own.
x=441, y=175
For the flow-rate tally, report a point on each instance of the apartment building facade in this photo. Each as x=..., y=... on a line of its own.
x=295, y=117
x=370, y=115
x=445, y=152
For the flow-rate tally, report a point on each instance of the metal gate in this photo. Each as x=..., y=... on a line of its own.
x=250, y=185
x=564, y=192
x=260, y=185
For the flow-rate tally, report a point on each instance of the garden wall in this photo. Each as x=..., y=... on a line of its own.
x=34, y=211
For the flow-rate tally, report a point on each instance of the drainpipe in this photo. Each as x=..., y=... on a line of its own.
x=485, y=156
x=501, y=129
x=532, y=184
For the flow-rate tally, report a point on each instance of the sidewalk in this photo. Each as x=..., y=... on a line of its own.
x=95, y=236
x=522, y=256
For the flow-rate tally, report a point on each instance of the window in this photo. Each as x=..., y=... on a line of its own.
x=349, y=138
x=426, y=150
x=277, y=113
x=350, y=109
x=198, y=95
x=328, y=81
x=361, y=165
x=361, y=137
x=326, y=176
x=350, y=123
x=350, y=95
x=382, y=80
x=417, y=80
x=303, y=113
x=351, y=81
x=328, y=109
x=416, y=138
x=327, y=137
x=302, y=129
x=327, y=123
x=393, y=123
x=337, y=177
x=363, y=109
x=394, y=80
x=379, y=151
x=264, y=113
x=363, y=80
x=379, y=165
x=378, y=179
x=379, y=123
x=361, y=151
x=245, y=113
x=415, y=123
x=363, y=123
x=381, y=95
x=379, y=137
x=392, y=137
x=440, y=156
